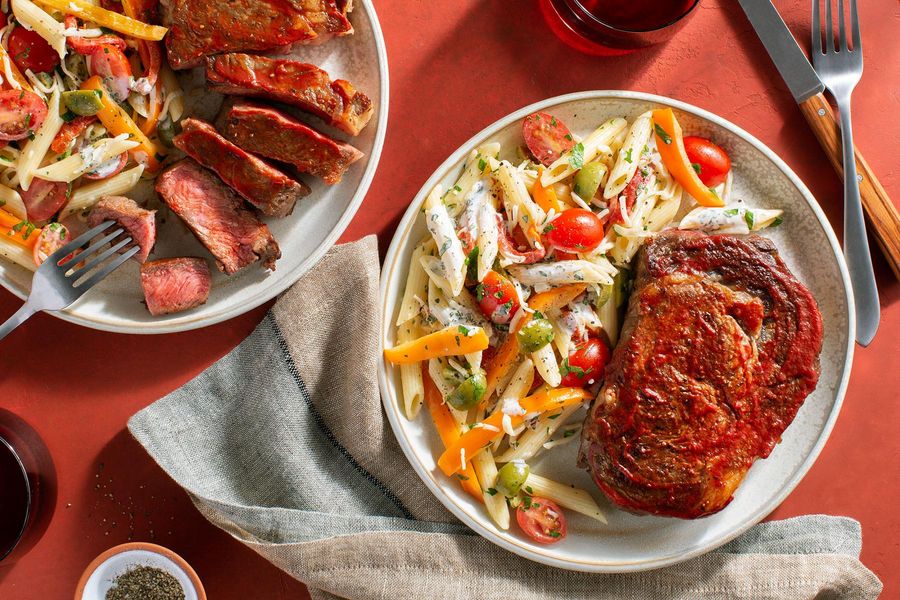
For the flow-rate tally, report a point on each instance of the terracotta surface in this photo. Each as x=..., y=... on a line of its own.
x=455, y=68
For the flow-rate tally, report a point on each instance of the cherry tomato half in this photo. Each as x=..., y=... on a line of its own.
x=497, y=298
x=44, y=198
x=543, y=520
x=53, y=237
x=575, y=230
x=546, y=137
x=30, y=51
x=585, y=364
x=21, y=112
x=713, y=163
x=113, y=68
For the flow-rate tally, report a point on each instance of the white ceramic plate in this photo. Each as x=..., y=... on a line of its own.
x=304, y=236
x=630, y=542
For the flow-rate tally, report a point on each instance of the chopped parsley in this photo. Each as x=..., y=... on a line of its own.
x=731, y=212
x=479, y=292
x=444, y=247
x=750, y=219
x=549, y=227
x=778, y=221
x=576, y=159
x=482, y=164
x=463, y=330
x=628, y=156
x=567, y=368
x=569, y=137
x=696, y=167
x=492, y=491
x=665, y=137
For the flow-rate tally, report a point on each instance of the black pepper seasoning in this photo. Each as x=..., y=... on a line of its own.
x=145, y=583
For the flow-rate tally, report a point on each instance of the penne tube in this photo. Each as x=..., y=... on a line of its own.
x=416, y=289
x=584, y=152
x=411, y=382
x=16, y=253
x=529, y=215
x=87, y=195
x=89, y=158
x=488, y=239
x=449, y=248
x=11, y=202
x=563, y=272
x=566, y=496
x=628, y=157
x=36, y=149
x=546, y=364
x=531, y=442
x=486, y=470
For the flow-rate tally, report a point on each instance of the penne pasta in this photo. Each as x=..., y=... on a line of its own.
x=629, y=154
x=566, y=496
x=584, y=152
x=486, y=470
x=36, y=149
x=563, y=272
x=449, y=248
x=87, y=195
x=416, y=291
x=411, y=374
x=87, y=159
x=17, y=254
x=545, y=363
x=11, y=202
x=531, y=442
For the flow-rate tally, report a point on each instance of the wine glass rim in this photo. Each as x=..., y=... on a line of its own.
x=587, y=13
x=6, y=552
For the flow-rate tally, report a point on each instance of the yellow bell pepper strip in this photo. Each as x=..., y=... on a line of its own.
x=118, y=122
x=505, y=358
x=107, y=18
x=545, y=196
x=16, y=230
x=458, y=454
x=670, y=143
x=14, y=70
x=448, y=430
x=450, y=341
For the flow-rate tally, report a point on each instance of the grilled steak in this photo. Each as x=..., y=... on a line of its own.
x=138, y=222
x=199, y=28
x=217, y=216
x=292, y=82
x=264, y=186
x=718, y=351
x=273, y=134
x=175, y=284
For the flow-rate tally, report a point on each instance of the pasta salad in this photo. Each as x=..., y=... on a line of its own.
x=512, y=302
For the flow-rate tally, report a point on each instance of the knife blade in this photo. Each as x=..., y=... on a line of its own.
x=807, y=89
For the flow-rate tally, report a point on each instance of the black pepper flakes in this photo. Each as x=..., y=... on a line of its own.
x=145, y=583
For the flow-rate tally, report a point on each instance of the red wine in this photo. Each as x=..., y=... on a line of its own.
x=15, y=498
x=637, y=15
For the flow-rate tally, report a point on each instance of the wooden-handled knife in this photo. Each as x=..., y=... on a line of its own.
x=804, y=84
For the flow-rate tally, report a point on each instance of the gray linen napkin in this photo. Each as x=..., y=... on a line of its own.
x=284, y=445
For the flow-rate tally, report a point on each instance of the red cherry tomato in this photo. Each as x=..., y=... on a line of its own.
x=44, y=198
x=575, y=230
x=585, y=364
x=543, y=520
x=21, y=112
x=497, y=298
x=109, y=168
x=546, y=137
x=113, y=68
x=30, y=51
x=712, y=161
x=53, y=237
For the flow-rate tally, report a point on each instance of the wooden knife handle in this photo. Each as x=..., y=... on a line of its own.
x=884, y=220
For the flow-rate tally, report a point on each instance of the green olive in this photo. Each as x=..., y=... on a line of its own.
x=469, y=392
x=166, y=130
x=536, y=334
x=587, y=180
x=512, y=477
x=83, y=102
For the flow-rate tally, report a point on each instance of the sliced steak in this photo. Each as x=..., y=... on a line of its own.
x=140, y=223
x=175, y=284
x=217, y=216
x=292, y=82
x=719, y=349
x=273, y=134
x=200, y=28
x=263, y=186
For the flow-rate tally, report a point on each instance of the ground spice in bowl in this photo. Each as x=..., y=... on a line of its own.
x=145, y=583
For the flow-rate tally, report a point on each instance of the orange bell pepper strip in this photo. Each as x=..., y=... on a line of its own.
x=23, y=236
x=505, y=357
x=670, y=143
x=118, y=122
x=545, y=196
x=450, y=341
x=448, y=430
x=474, y=440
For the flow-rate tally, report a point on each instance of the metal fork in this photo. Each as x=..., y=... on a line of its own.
x=60, y=281
x=840, y=70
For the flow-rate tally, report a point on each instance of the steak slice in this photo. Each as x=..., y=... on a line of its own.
x=217, y=216
x=273, y=134
x=292, y=82
x=140, y=223
x=261, y=184
x=200, y=28
x=175, y=284
x=719, y=349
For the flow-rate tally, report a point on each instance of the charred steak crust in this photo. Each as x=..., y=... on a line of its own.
x=273, y=134
x=718, y=351
x=262, y=185
x=303, y=85
x=175, y=284
x=217, y=216
x=139, y=222
x=199, y=28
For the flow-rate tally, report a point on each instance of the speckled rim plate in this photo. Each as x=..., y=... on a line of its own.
x=631, y=542
x=305, y=236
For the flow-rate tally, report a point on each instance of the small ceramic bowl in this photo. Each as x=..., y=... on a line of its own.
x=101, y=574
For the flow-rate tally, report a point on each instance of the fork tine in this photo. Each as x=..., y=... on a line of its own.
x=829, y=29
x=86, y=284
x=92, y=249
x=841, y=26
x=81, y=240
x=854, y=27
x=816, y=28
x=99, y=259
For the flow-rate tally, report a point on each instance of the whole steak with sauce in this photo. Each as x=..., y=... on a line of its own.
x=719, y=349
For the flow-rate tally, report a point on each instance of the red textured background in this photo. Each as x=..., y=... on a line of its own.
x=457, y=66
